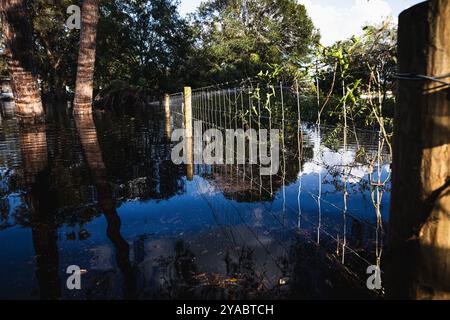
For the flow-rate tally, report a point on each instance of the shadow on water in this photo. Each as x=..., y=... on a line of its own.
x=104, y=194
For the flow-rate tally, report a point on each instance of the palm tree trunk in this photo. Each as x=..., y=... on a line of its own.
x=17, y=34
x=86, y=58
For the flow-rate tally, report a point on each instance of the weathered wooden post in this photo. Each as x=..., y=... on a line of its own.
x=188, y=111
x=189, y=140
x=167, y=104
x=420, y=205
x=189, y=158
x=167, y=112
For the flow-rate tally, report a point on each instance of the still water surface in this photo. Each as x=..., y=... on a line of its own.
x=107, y=197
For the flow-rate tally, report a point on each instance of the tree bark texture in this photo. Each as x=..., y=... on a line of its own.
x=84, y=86
x=420, y=205
x=17, y=34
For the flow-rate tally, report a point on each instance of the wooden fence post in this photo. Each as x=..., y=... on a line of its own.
x=188, y=132
x=189, y=158
x=419, y=236
x=188, y=111
x=167, y=112
x=167, y=104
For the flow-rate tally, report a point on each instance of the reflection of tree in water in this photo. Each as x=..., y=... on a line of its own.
x=6, y=188
x=308, y=271
x=85, y=183
x=70, y=177
x=137, y=163
x=316, y=274
x=89, y=141
x=178, y=274
x=182, y=278
x=245, y=184
x=41, y=209
x=141, y=166
x=63, y=180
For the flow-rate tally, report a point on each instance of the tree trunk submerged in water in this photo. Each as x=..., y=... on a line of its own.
x=86, y=58
x=17, y=33
x=420, y=206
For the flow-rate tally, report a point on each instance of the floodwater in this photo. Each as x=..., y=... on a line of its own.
x=106, y=197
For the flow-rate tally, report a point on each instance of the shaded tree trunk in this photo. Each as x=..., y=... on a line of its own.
x=86, y=58
x=18, y=42
x=420, y=206
x=58, y=88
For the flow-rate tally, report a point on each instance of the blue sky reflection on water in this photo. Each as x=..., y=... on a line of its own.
x=209, y=225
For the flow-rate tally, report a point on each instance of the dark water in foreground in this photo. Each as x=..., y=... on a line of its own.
x=108, y=199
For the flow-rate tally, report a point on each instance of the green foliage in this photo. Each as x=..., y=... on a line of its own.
x=119, y=96
x=141, y=42
x=56, y=47
x=144, y=43
x=236, y=39
x=145, y=49
x=359, y=73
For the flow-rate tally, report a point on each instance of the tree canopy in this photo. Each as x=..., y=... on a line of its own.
x=143, y=43
x=146, y=46
x=239, y=38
